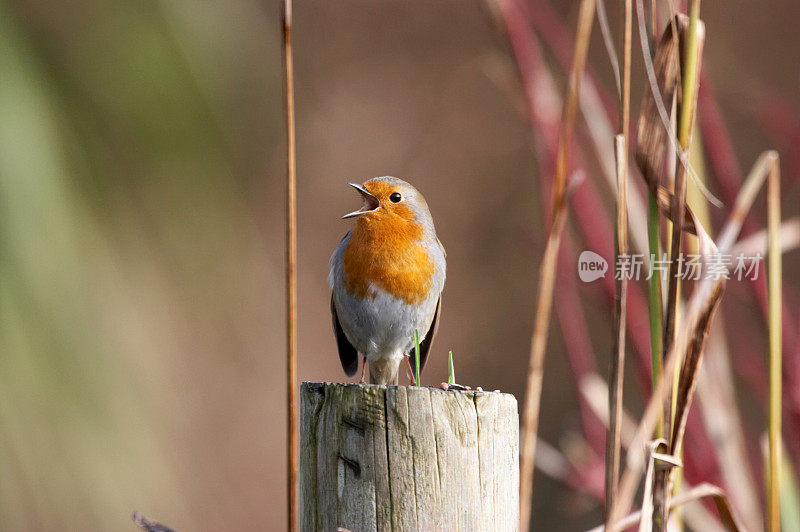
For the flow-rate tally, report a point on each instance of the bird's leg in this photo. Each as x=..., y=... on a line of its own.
x=363, y=371
x=410, y=371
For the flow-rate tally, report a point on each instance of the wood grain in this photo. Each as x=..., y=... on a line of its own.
x=407, y=458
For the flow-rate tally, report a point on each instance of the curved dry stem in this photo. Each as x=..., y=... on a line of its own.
x=533, y=392
x=695, y=494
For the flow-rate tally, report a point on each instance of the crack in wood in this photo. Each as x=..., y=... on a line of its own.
x=354, y=424
x=354, y=466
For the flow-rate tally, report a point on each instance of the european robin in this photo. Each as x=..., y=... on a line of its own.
x=386, y=276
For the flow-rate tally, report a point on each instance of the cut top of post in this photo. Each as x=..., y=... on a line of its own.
x=408, y=458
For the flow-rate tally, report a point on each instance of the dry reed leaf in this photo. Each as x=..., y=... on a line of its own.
x=722, y=504
x=646, y=513
x=689, y=344
x=691, y=365
x=697, y=493
x=656, y=138
x=716, y=394
x=788, y=235
x=665, y=207
x=653, y=137
x=690, y=225
x=595, y=391
x=699, y=309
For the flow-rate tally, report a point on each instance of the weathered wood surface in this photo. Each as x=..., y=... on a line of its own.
x=407, y=458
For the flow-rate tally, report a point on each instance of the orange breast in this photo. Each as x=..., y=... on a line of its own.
x=384, y=251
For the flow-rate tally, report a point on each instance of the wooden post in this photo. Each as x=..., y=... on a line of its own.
x=407, y=458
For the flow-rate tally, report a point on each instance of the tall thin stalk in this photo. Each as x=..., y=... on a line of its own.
x=689, y=78
x=689, y=82
x=617, y=370
x=583, y=32
x=774, y=282
x=655, y=301
x=291, y=272
x=655, y=305
x=533, y=391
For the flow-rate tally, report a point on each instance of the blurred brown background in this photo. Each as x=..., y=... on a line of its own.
x=141, y=232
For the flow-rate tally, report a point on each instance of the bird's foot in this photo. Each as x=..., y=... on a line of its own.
x=410, y=371
x=363, y=380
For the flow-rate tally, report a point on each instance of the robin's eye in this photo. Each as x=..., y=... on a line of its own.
x=395, y=197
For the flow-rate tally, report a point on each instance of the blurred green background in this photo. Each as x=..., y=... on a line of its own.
x=141, y=233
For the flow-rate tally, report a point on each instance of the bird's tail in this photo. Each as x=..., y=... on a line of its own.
x=383, y=371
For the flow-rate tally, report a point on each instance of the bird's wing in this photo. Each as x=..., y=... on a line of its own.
x=425, y=345
x=348, y=354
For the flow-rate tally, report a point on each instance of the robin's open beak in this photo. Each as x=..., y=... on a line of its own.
x=371, y=203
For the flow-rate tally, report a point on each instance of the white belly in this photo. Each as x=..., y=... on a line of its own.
x=383, y=326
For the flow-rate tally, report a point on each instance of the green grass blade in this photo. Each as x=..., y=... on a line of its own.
x=655, y=303
x=451, y=370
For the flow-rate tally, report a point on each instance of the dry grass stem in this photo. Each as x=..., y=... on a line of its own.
x=635, y=457
x=530, y=420
x=691, y=48
x=700, y=306
x=662, y=155
x=689, y=97
x=533, y=392
x=774, y=282
x=744, y=201
x=617, y=370
x=583, y=32
x=291, y=272
x=600, y=129
x=646, y=518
